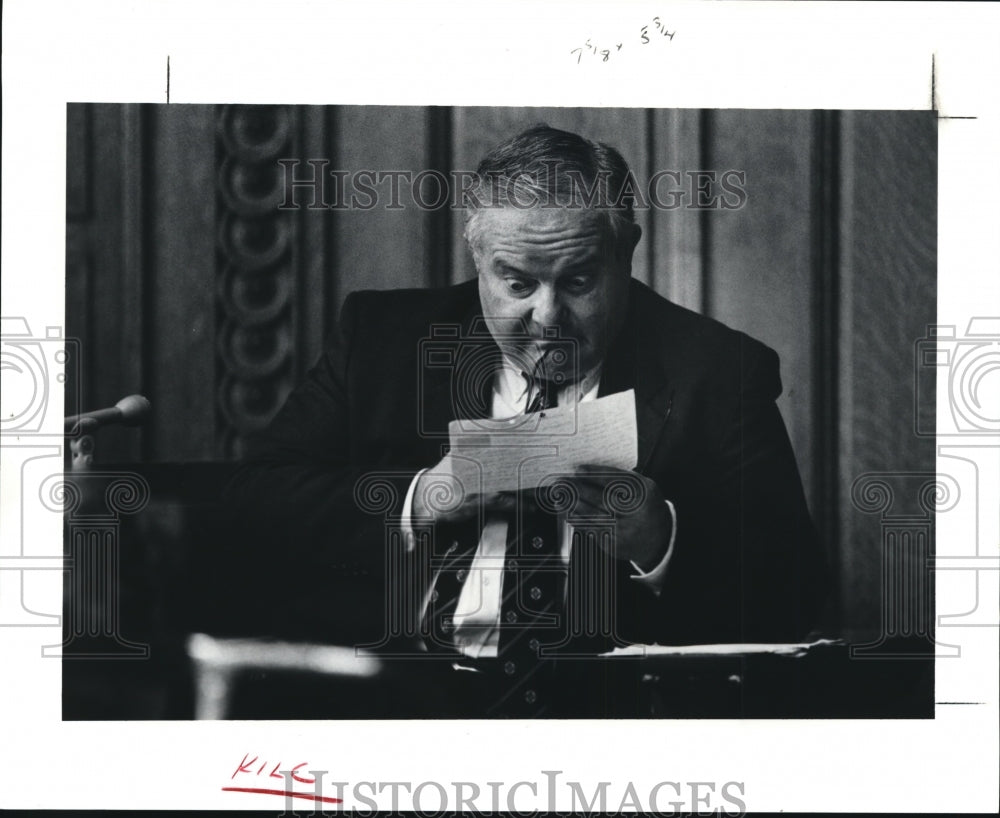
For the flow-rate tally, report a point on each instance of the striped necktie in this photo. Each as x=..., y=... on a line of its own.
x=542, y=394
x=533, y=589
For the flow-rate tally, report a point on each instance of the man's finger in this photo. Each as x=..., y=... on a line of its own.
x=593, y=470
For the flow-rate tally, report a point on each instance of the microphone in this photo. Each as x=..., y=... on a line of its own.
x=129, y=411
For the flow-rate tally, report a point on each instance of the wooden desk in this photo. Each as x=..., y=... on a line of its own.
x=821, y=681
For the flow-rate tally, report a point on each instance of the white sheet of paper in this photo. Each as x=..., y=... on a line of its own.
x=779, y=649
x=519, y=453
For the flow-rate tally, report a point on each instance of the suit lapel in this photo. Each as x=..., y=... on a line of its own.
x=652, y=409
x=457, y=373
x=634, y=363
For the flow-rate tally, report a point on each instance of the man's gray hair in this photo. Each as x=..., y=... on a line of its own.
x=549, y=168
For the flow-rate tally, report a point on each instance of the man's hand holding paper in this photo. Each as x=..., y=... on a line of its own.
x=642, y=520
x=589, y=448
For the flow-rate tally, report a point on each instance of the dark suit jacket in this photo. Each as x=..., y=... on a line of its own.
x=747, y=565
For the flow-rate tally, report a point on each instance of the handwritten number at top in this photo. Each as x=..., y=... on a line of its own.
x=605, y=53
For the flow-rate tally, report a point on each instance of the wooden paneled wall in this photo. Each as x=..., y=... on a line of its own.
x=187, y=282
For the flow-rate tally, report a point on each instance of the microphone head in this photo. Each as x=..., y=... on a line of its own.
x=134, y=409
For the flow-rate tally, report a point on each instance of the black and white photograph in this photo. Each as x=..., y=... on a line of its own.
x=334, y=323
x=509, y=408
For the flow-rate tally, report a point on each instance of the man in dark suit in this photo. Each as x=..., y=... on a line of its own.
x=354, y=488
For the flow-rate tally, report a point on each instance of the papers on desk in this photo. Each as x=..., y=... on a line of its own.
x=778, y=649
x=518, y=453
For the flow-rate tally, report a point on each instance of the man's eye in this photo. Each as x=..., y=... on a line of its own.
x=517, y=285
x=579, y=283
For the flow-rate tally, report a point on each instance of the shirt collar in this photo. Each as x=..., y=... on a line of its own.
x=512, y=387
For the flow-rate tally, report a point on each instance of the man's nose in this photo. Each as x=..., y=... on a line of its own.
x=547, y=308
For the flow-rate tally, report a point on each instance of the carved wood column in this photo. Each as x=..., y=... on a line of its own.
x=271, y=271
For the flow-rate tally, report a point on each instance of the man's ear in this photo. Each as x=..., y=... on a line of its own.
x=628, y=243
x=636, y=235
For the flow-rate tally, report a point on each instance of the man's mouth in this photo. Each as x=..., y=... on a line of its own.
x=552, y=361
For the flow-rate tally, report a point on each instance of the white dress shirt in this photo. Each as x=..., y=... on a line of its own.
x=477, y=615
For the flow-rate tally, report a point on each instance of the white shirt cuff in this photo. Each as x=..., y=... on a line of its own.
x=654, y=579
x=406, y=521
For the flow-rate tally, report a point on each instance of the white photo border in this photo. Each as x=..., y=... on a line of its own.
x=725, y=55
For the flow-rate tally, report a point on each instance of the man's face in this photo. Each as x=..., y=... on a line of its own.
x=550, y=268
